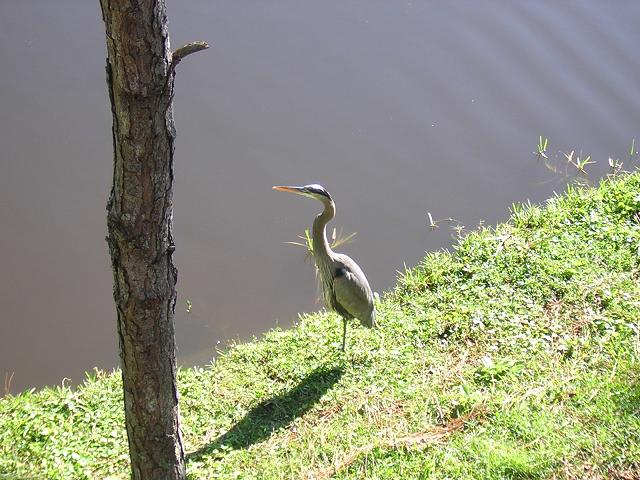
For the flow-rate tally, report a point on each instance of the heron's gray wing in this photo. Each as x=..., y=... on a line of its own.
x=354, y=295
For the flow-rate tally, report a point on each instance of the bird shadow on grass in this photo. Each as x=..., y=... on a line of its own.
x=272, y=414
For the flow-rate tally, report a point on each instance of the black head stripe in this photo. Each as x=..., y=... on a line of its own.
x=318, y=190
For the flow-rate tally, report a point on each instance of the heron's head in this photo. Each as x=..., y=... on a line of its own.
x=312, y=191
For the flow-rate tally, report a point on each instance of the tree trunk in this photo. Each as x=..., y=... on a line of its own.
x=140, y=73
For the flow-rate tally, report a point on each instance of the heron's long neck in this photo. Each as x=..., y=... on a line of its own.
x=321, y=248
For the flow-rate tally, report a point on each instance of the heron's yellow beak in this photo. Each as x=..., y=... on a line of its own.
x=282, y=188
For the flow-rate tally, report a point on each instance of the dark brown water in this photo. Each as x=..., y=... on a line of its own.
x=398, y=108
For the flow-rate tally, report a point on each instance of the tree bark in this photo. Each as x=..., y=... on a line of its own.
x=140, y=74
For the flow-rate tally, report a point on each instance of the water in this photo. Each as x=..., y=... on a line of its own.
x=399, y=109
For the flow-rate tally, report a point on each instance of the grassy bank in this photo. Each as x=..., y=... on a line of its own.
x=515, y=356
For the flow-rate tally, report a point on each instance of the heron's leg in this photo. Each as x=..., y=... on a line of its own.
x=344, y=333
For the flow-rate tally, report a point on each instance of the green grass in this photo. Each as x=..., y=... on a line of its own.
x=527, y=334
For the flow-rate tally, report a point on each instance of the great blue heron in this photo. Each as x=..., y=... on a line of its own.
x=345, y=288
